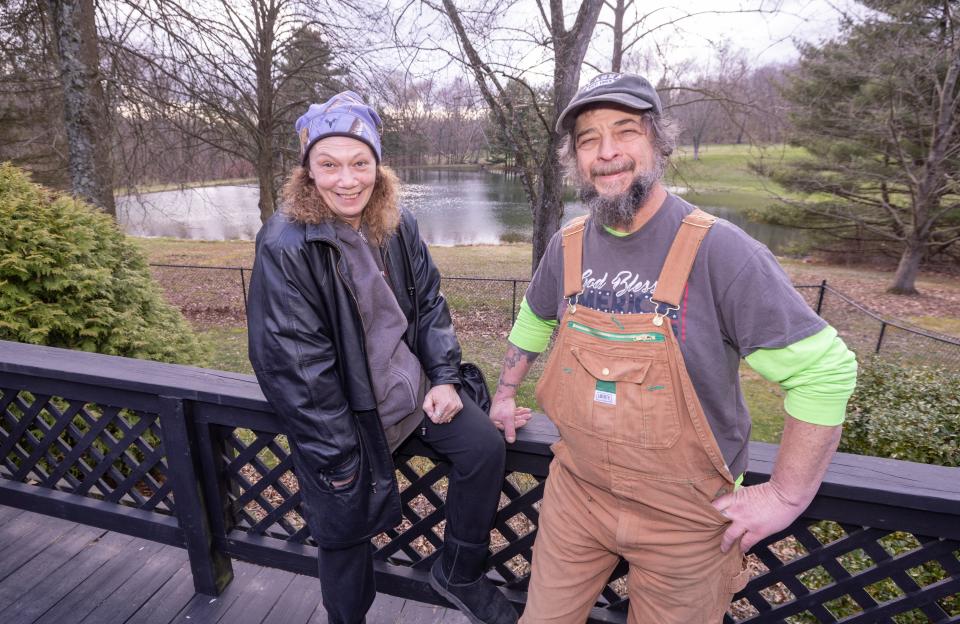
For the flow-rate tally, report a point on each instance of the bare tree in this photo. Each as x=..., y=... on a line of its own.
x=563, y=48
x=706, y=95
x=457, y=130
x=75, y=33
x=230, y=75
x=31, y=105
x=634, y=23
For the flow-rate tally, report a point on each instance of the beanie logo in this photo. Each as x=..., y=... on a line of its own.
x=602, y=80
x=330, y=121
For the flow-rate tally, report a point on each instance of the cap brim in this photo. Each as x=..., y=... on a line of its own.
x=567, y=117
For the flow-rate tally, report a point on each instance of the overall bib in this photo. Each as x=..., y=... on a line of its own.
x=636, y=466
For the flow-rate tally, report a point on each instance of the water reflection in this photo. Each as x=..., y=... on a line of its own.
x=452, y=208
x=211, y=213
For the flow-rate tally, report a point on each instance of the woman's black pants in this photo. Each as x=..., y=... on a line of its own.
x=475, y=449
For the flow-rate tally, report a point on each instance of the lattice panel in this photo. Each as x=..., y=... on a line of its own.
x=103, y=452
x=812, y=572
x=263, y=494
x=820, y=571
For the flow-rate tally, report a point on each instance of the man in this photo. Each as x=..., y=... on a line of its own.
x=657, y=302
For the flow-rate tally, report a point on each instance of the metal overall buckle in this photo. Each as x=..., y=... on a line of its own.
x=657, y=315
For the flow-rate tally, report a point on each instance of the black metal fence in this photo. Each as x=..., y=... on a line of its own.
x=867, y=332
x=221, y=292
x=193, y=458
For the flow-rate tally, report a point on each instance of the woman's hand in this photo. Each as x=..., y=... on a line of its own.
x=442, y=403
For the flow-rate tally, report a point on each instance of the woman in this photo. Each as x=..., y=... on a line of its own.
x=354, y=349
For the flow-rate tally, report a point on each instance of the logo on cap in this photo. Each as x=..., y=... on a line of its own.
x=601, y=81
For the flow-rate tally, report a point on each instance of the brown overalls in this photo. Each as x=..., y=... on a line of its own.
x=636, y=466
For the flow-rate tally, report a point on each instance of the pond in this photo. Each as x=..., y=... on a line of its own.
x=453, y=208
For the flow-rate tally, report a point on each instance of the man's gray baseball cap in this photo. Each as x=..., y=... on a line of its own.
x=628, y=90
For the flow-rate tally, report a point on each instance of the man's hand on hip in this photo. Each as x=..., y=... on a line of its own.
x=758, y=511
x=755, y=511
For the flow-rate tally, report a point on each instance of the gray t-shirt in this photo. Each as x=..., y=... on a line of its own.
x=737, y=300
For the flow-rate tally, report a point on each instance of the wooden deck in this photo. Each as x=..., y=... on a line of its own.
x=54, y=571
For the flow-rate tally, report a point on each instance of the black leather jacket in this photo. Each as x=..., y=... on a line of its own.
x=307, y=348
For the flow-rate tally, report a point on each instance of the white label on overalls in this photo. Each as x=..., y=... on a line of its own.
x=608, y=398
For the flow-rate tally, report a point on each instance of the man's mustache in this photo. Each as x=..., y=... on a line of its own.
x=612, y=167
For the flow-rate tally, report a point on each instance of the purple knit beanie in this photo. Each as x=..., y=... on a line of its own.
x=345, y=114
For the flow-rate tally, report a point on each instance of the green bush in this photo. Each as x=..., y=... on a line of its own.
x=69, y=278
x=905, y=412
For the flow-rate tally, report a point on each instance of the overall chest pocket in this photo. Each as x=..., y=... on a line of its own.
x=630, y=398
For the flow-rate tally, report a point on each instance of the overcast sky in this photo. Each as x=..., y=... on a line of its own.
x=767, y=37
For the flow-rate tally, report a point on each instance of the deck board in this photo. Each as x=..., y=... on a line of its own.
x=54, y=571
x=167, y=601
x=298, y=602
x=97, y=588
x=146, y=580
x=65, y=580
x=46, y=563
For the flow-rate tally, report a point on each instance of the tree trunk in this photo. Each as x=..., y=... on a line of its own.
x=904, y=280
x=618, y=12
x=75, y=32
x=267, y=201
x=548, y=209
x=696, y=147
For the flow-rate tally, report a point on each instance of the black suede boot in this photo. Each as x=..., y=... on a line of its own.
x=458, y=575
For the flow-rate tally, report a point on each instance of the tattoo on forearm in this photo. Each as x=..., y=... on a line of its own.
x=503, y=384
x=513, y=357
x=514, y=353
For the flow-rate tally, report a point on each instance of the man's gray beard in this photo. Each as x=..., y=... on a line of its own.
x=618, y=211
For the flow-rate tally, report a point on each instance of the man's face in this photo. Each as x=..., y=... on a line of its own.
x=613, y=146
x=617, y=164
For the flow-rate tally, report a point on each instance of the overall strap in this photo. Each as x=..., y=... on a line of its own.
x=683, y=251
x=572, y=239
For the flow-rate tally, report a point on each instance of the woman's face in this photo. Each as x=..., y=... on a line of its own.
x=344, y=171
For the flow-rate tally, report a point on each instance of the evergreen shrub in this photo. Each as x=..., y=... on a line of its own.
x=905, y=412
x=70, y=279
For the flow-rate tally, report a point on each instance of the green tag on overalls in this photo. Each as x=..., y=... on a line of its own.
x=606, y=392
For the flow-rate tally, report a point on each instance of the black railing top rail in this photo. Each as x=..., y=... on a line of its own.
x=909, y=485
x=126, y=375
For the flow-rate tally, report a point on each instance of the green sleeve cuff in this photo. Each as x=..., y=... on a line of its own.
x=818, y=375
x=530, y=332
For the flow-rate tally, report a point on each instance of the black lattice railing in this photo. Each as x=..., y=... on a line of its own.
x=99, y=451
x=815, y=571
x=818, y=571
x=111, y=442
